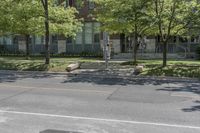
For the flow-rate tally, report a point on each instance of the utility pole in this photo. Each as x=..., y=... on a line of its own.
x=106, y=48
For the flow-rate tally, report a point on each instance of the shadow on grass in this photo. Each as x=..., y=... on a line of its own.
x=26, y=66
x=131, y=63
x=173, y=70
x=15, y=75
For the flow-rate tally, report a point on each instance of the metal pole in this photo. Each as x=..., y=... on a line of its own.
x=106, y=47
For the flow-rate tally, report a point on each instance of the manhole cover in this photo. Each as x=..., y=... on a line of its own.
x=58, y=131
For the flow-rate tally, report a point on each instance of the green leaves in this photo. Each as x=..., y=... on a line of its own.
x=27, y=17
x=121, y=16
x=173, y=17
x=6, y=18
x=64, y=21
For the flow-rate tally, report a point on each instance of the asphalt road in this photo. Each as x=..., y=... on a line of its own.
x=59, y=103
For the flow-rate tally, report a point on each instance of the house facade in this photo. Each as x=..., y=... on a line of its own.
x=89, y=40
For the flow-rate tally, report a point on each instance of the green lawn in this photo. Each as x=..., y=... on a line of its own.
x=37, y=64
x=170, y=62
x=173, y=70
x=184, y=68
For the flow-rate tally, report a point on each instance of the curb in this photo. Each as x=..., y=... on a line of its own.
x=74, y=73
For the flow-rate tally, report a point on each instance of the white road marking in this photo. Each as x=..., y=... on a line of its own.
x=101, y=119
x=64, y=89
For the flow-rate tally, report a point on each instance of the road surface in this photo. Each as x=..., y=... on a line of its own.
x=61, y=103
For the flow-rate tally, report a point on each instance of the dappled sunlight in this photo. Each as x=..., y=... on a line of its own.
x=173, y=70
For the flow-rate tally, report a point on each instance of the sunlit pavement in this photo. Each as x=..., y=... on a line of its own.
x=58, y=103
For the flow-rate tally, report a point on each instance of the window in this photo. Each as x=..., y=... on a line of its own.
x=88, y=33
x=69, y=40
x=8, y=40
x=96, y=38
x=96, y=32
x=1, y=40
x=38, y=40
x=79, y=38
x=54, y=39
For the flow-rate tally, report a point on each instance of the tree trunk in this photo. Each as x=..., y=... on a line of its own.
x=47, y=50
x=27, y=47
x=164, y=53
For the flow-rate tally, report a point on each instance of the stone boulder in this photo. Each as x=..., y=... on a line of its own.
x=138, y=69
x=73, y=66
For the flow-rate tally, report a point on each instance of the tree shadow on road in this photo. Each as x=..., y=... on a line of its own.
x=107, y=80
x=14, y=76
x=191, y=86
x=187, y=88
x=115, y=78
x=193, y=108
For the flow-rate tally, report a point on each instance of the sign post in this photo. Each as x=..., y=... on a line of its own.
x=106, y=48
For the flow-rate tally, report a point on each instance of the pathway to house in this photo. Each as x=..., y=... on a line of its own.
x=88, y=103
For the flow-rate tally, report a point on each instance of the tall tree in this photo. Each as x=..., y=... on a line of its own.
x=38, y=17
x=173, y=18
x=46, y=22
x=59, y=20
x=27, y=20
x=130, y=17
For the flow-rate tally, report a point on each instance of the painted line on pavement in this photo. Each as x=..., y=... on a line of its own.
x=101, y=119
x=64, y=89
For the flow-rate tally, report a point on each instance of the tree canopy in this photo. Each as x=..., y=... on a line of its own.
x=173, y=18
x=164, y=18
x=27, y=17
x=121, y=16
x=130, y=17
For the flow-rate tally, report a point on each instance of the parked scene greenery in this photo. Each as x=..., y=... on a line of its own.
x=79, y=27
